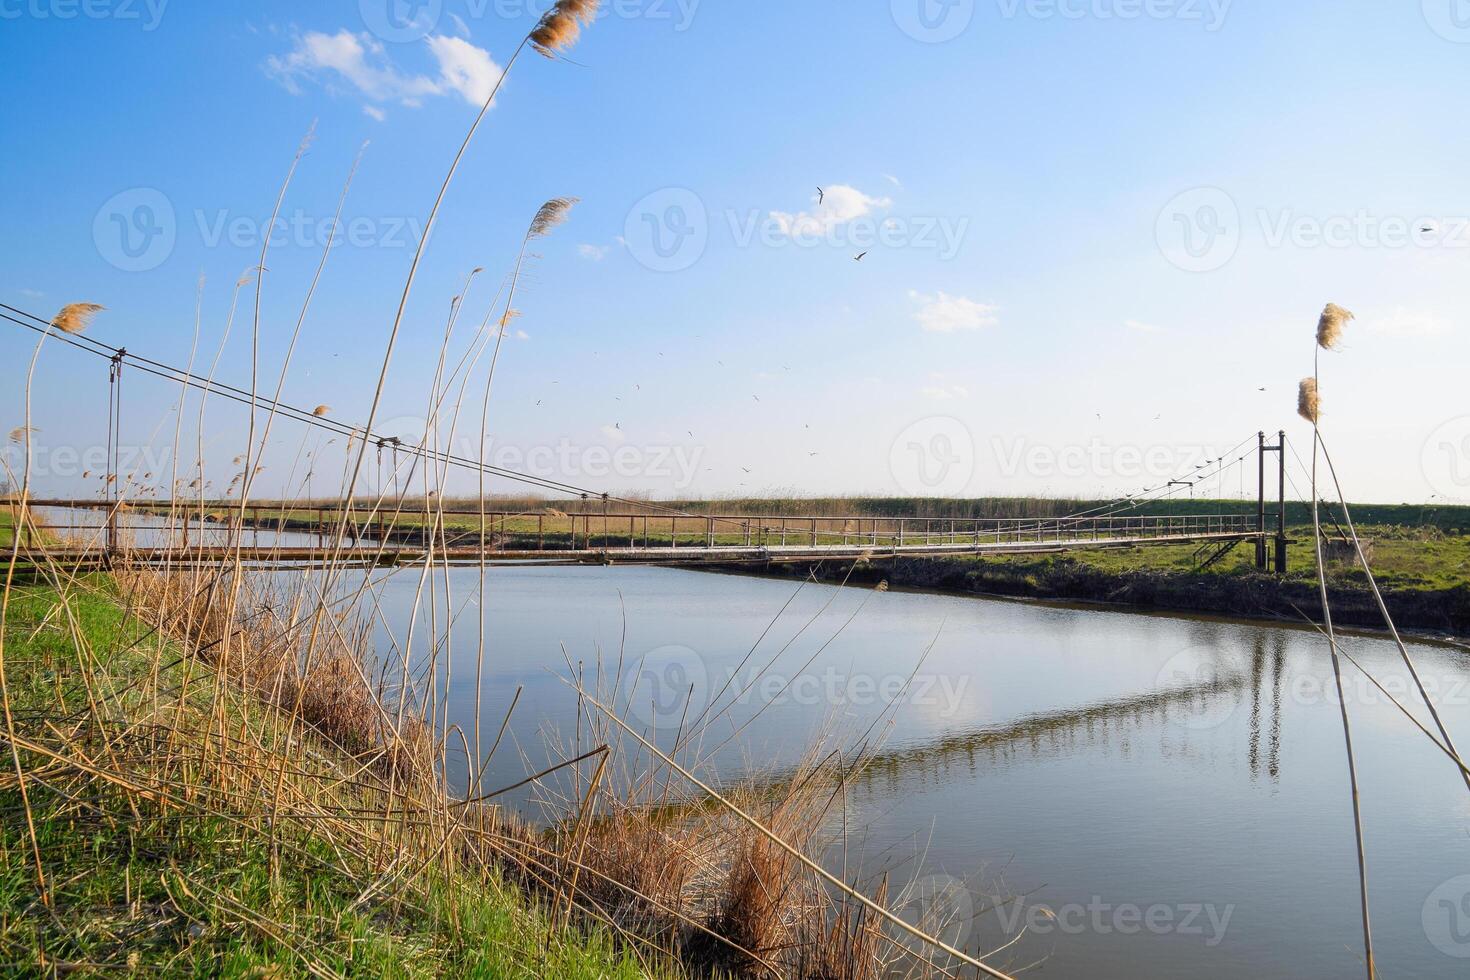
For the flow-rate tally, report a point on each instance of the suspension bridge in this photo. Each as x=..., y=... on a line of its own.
x=598, y=529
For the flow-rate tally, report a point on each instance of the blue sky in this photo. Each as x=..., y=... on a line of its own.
x=1095, y=229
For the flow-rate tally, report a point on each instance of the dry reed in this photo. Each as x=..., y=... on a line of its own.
x=561, y=26
x=1308, y=404
x=551, y=214
x=74, y=317
x=1330, y=326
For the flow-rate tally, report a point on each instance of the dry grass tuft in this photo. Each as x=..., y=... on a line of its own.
x=551, y=214
x=562, y=25
x=321, y=411
x=270, y=653
x=1308, y=405
x=1330, y=326
x=74, y=317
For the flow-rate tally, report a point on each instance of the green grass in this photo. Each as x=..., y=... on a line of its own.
x=140, y=889
x=1402, y=560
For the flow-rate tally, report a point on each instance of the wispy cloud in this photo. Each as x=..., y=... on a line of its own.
x=893, y=180
x=373, y=112
x=945, y=393
x=594, y=252
x=838, y=205
x=362, y=62
x=943, y=313
x=1406, y=324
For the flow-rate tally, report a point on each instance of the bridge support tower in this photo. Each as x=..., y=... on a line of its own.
x=1280, y=541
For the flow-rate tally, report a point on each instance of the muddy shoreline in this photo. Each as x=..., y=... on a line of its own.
x=1426, y=613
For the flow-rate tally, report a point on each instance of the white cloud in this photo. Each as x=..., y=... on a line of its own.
x=522, y=335
x=32, y=293
x=943, y=313
x=594, y=252
x=893, y=180
x=468, y=70
x=374, y=112
x=840, y=204
x=1140, y=327
x=362, y=62
x=460, y=27
x=1406, y=324
x=945, y=393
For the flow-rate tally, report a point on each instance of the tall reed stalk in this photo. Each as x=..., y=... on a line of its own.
x=1329, y=330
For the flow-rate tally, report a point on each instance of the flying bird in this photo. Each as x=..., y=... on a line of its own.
x=756, y=397
x=859, y=256
x=821, y=195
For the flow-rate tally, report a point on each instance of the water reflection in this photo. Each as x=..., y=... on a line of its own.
x=1101, y=724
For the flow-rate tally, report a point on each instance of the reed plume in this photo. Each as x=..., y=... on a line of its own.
x=561, y=25
x=321, y=411
x=1330, y=326
x=1307, y=403
x=18, y=434
x=74, y=317
x=551, y=214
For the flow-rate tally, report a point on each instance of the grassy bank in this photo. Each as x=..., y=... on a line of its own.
x=143, y=870
x=191, y=791
x=1424, y=575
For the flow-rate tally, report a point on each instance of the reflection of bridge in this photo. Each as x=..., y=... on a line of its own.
x=1209, y=702
x=158, y=533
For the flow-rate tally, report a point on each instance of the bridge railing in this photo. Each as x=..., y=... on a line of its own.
x=145, y=526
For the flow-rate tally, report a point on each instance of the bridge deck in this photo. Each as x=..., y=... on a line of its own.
x=665, y=555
